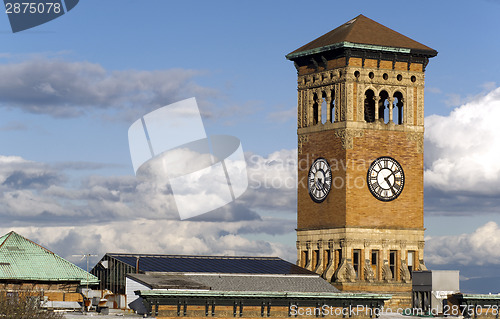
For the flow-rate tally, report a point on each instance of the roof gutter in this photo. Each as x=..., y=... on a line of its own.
x=351, y=45
x=212, y=293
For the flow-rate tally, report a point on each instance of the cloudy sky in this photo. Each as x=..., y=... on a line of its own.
x=69, y=90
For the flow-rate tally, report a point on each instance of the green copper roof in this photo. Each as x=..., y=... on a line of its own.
x=346, y=44
x=478, y=296
x=22, y=259
x=271, y=294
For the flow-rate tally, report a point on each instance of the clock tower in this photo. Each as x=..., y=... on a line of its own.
x=360, y=156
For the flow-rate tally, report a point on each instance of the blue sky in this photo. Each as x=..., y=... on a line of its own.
x=71, y=88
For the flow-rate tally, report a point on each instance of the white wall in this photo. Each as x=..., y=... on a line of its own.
x=131, y=286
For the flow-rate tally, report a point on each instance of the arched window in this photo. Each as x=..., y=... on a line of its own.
x=323, y=108
x=383, y=107
x=315, y=114
x=332, y=107
x=397, y=111
x=369, y=106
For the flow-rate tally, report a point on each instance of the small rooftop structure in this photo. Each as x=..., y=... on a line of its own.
x=431, y=287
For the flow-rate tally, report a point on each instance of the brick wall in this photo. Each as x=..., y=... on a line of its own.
x=51, y=287
x=331, y=212
x=195, y=311
x=363, y=208
x=350, y=202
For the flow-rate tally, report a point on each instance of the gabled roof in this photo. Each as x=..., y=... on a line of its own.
x=232, y=282
x=365, y=32
x=22, y=259
x=210, y=264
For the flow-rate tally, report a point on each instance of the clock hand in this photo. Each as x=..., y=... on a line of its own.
x=390, y=186
x=321, y=186
x=388, y=181
x=319, y=182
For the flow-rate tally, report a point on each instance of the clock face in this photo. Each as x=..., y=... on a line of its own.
x=319, y=180
x=385, y=178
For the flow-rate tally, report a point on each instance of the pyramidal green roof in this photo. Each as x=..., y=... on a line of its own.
x=22, y=259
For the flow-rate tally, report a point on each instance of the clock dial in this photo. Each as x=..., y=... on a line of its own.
x=319, y=180
x=385, y=178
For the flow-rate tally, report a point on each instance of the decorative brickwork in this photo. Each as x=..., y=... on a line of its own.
x=347, y=137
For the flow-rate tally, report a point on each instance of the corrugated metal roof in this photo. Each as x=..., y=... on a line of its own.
x=210, y=264
x=23, y=259
x=227, y=282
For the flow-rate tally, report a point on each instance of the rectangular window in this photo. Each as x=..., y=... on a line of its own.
x=315, y=113
x=315, y=259
x=327, y=254
x=374, y=263
x=356, y=254
x=338, y=257
x=392, y=263
x=304, y=258
x=411, y=260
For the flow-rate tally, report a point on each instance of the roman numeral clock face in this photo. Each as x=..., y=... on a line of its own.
x=319, y=180
x=385, y=178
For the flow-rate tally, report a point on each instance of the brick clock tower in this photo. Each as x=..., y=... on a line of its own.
x=360, y=156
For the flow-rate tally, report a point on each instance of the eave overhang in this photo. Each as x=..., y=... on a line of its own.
x=361, y=47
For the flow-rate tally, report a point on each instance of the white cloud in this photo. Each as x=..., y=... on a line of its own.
x=128, y=214
x=477, y=248
x=489, y=86
x=463, y=148
x=157, y=236
x=272, y=181
x=453, y=100
x=48, y=196
x=283, y=115
x=431, y=89
x=69, y=89
x=13, y=126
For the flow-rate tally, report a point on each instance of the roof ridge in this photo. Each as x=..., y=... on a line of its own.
x=27, y=239
x=192, y=256
x=352, y=22
x=6, y=237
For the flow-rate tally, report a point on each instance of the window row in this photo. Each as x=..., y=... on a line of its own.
x=384, y=108
x=376, y=108
x=324, y=103
x=375, y=262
